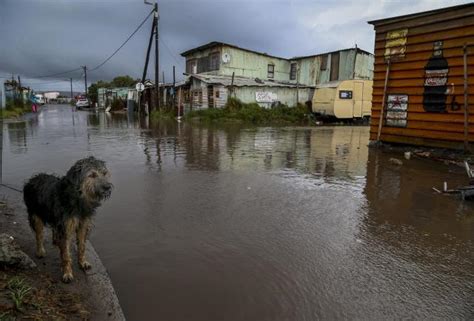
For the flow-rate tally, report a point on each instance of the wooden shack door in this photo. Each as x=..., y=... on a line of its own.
x=210, y=96
x=358, y=99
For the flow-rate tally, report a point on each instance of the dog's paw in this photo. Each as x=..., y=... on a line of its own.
x=40, y=253
x=67, y=277
x=85, y=265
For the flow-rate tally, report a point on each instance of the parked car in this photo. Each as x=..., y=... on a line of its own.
x=82, y=103
x=39, y=99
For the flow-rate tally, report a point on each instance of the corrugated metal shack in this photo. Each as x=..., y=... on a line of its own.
x=212, y=91
x=423, y=66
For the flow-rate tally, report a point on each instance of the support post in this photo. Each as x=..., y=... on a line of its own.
x=466, y=103
x=72, y=98
x=382, y=110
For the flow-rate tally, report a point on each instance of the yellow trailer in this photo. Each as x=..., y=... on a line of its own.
x=346, y=99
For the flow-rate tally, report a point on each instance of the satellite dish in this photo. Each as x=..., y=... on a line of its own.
x=225, y=57
x=140, y=87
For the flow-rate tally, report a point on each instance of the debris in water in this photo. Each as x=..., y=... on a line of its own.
x=407, y=155
x=395, y=161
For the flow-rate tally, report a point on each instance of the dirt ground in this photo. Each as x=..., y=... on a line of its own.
x=90, y=296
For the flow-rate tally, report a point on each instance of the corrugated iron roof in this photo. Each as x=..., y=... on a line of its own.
x=218, y=43
x=243, y=81
x=418, y=14
x=330, y=52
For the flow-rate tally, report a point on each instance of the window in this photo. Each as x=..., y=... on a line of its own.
x=214, y=63
x=345, y=94
x=271, y=70
x=203, y=64
x=191, y=66
x=217, y=93
x=324, y=62
x=293, y=69
x=334, y=66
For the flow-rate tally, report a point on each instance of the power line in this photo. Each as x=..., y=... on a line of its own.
x=59, y=73
x=123, y=44
x=171, y=53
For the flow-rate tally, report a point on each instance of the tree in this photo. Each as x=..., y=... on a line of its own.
x=123, y=81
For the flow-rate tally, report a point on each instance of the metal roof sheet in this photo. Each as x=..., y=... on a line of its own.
x=243, y=81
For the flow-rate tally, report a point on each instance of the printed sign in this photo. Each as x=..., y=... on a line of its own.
x=345, y=94
x=397, y=106
x=265, y=97
x=395, y=44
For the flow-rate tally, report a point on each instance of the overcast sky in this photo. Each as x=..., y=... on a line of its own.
x=41, y=37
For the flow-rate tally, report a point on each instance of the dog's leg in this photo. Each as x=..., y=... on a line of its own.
x=82, y=231
x=64, y=247
x=38, y=228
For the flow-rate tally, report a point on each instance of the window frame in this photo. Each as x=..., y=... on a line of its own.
x=271, y=73
x=293, y=70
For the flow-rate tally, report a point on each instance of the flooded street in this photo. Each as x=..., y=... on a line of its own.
x=244, y=223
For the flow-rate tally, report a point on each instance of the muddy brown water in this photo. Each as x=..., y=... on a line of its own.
x=242, y=223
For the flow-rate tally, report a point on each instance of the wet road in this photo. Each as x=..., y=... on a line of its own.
x=232, y=223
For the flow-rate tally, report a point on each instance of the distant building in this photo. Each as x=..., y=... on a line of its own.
x=263, y=78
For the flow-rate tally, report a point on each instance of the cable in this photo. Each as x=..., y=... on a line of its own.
x=12, y=188
x=171, y=53
x=123, y=44
x=58, y=74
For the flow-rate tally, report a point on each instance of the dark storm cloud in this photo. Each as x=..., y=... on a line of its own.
x=45, y=36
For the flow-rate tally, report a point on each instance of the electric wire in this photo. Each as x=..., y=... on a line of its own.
x=123, y=44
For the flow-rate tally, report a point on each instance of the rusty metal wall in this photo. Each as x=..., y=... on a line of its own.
x=426, y=59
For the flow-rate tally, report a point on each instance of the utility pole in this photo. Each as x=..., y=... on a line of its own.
x=157, y=58
x=70, y=79
x=85, y=78
x=174, y=88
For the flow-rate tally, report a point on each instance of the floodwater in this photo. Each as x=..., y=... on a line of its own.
x=286, y=223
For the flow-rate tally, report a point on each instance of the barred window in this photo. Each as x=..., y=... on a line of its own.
x=191, y=66
x=293, y=69
x=215, y=59
x=271, y=70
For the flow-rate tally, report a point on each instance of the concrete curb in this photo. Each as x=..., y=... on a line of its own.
x=103, y=290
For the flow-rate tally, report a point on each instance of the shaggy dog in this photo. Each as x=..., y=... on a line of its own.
x=67, y=204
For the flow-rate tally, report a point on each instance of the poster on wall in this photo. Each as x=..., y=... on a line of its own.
x=395, y=44
x=397, y=110
x=265, y=97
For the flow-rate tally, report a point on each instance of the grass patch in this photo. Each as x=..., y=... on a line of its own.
x=162, y=114
x=236, y=111
x=33, y=295
x=12, y=112
x=19, y=291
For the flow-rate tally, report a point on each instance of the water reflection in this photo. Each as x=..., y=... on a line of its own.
x=262, y=223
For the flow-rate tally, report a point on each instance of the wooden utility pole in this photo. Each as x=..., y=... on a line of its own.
x=174, y=88
x=85, y=78
x=157, y=58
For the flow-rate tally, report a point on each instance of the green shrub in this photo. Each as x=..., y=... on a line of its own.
x=117, y=104
x=235, y=110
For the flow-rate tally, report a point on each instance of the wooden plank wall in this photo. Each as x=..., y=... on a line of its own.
x=407, y=75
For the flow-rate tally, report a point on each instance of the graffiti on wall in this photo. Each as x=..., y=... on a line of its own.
x=436, y=80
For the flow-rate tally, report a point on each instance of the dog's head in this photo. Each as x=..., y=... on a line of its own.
x=91, y=177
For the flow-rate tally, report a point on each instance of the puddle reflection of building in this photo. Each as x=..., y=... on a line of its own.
x=339, y=151
x=18, y=137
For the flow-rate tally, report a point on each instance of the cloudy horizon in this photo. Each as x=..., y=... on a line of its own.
x=45, y=37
